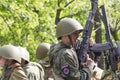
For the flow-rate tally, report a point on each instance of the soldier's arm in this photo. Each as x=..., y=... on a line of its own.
x=70, y=69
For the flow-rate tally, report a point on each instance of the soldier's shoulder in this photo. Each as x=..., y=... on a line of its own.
x=35, y=64
x=18, y=68
x=19, y=71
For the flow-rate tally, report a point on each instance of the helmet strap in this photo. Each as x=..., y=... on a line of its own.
x=71, y=40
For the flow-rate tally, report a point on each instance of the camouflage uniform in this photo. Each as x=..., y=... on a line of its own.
x=65, y=64
x=34, y=71
x=48, y=70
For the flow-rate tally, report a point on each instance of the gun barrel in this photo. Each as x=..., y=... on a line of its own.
x=99, y=47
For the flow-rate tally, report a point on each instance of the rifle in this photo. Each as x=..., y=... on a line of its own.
x=83, y=47
x=112, y=51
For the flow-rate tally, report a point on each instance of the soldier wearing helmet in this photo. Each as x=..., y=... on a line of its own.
x=10, y=61
x=33, y=70
x=42, y=56
x=63, y=57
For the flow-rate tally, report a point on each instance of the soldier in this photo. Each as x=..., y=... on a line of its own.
x=10, y=61
x=33, y=70
x=42, y=56
x=63, y=56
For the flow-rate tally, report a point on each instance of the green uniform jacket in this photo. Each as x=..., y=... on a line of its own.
x=65, y=64
x=34, y=71
x=48, y=70
x=18, y=74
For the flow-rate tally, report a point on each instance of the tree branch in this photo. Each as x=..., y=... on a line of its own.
x=10, y=29
x=69, y=3
x=57, y=18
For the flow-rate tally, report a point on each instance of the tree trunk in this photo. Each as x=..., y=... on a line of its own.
x=98, y=39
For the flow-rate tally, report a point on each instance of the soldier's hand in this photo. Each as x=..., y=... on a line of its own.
x=90, y=62
x=97, y=73
x=91, y=42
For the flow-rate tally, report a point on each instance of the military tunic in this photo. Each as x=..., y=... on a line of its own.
x=65, y=64
x=34, y=71
x=18, y=74
x=13, y=73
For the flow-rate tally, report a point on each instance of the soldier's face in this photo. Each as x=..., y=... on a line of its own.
x=2, y=61
x=74, y=36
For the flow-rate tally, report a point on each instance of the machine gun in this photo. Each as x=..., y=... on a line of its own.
x=83, y=47
x=112, y=51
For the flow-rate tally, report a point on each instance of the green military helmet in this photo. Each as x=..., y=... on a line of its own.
x=10, y=52
x=24, y=54
x=67, y=26
x=42, y=50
